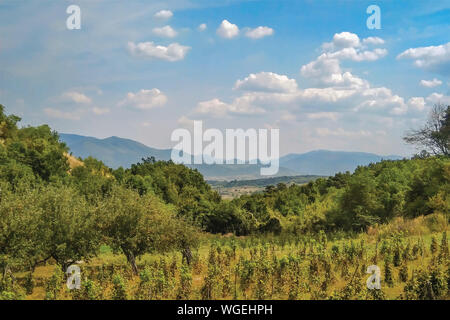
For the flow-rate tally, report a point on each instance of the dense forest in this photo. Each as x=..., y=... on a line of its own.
x=58, y=210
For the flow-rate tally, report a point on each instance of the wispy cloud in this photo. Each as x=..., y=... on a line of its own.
x=59, y=114
x=431, y=83
x=144, y=99
x=76, y=97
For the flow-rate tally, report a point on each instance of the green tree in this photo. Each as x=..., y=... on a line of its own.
x=136, y=225
x=67, y=227
x=8, y=125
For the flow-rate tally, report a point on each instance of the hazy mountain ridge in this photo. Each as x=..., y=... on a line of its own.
x=113, y=151
x=119, y=152
x=325, y=162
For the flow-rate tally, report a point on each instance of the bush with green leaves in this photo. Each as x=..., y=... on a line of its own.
x=89, y=290
x=54, y=285
x=185, y=284
x=427, y=285
x=119, y=290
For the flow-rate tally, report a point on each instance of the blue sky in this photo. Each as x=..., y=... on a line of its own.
x=311, y=68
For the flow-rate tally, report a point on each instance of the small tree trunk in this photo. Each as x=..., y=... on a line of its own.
x=64, y=265
x=132, y=261
x=187, y=254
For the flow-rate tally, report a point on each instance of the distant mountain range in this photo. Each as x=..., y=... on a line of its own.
x=113, y=151
x=118, y=152
x=327, y=163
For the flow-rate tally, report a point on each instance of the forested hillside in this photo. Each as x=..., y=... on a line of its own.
x=52, y=213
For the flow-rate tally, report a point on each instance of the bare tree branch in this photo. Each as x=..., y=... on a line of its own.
x=434, y=136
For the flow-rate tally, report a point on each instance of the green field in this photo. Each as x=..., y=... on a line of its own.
x=264, y=268
x=236, y=188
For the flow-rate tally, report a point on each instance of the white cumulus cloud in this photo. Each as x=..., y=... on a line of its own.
x=218, y=109
x=432, y=58
x=259, y=32
x=342, y=40
x=358, y=55
x=214, y=107
x=438, y=98
x=173, y=52
x=347, y=45
x=227, y=30
x=431, y=83
x=417, y=103
x=337, y=94
x=202, y=27
x=373, y=41
x=327, y=71
x=268, y=82
x=76, y=97
x=164, y=14
x=166, y=32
